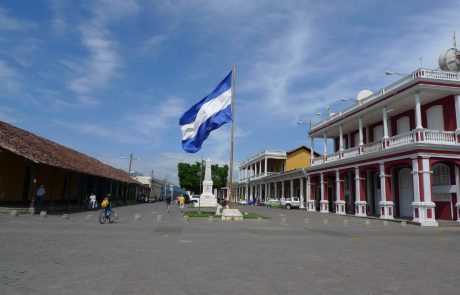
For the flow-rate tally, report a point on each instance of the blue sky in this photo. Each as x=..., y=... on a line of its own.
x=110, y=78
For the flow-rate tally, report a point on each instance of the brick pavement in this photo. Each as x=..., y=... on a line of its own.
x=283, y=255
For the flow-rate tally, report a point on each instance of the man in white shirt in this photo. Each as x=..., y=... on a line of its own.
x=92, y=201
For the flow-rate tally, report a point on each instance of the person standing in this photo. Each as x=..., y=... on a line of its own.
x=92, y=201
x=168, y=202
x=39, y=196
x=181, y=203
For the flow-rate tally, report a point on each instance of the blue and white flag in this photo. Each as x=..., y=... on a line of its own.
x=208, y=114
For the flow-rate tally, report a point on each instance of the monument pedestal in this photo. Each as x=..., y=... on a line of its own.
x=207, y=198
x=232, y=214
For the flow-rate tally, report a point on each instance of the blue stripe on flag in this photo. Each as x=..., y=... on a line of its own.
x=193, y=145
x=190, y=115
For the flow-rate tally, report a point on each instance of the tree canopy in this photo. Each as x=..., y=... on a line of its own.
x=189, y=176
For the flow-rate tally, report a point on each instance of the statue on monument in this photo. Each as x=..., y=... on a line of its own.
x=207, y=198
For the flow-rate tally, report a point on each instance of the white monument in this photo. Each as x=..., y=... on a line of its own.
x=207, y=198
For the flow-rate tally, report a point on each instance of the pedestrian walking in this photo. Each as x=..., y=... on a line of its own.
x=181, y=203
x=39, y=196
x=168, y=203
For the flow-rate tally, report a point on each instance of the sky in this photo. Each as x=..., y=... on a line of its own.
x=112, y=78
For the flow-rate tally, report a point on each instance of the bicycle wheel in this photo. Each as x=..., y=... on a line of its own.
x=102, y=217
x=111, y=216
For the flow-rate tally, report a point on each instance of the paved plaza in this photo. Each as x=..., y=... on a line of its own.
x=294, y=252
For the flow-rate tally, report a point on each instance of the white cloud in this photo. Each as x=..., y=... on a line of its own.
x=112, y=133
x=103, y=63
x=10, y=79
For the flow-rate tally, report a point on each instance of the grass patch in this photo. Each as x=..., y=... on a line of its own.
x=199, y=213
x=253, y=216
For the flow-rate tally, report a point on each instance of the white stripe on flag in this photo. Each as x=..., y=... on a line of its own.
x=206, y=111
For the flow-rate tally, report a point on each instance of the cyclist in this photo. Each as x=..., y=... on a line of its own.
x=107, y=204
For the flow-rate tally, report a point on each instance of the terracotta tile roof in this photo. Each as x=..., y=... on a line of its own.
x=43, y=151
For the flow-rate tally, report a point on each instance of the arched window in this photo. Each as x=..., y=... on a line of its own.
x=441, y=174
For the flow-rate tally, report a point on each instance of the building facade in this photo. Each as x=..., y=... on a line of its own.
x=28, y=161
x=396, y=155
x=273, y=174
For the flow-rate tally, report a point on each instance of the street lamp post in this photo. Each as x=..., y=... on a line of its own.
x=131, y=159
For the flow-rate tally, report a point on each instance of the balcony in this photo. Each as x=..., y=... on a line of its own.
x=400, y=140
x=403, y=82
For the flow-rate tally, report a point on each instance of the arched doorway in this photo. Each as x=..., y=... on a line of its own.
x=406, y=192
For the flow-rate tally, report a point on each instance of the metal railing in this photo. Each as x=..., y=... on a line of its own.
x=423, y=135
x=417, y=74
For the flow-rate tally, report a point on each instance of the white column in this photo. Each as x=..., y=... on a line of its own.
x=360, y=206
x=385, y=123
x=282, y=189
x=418, y=112
x=384, y=204
x=267, y=193
x=457, y=190
x=246, y=192
x=312, y=156
x=415, y=183
x=266, y=167
x=310, y=203
x=323, y=203
x=429, y=205
x=339, y=204
x=260, y=167
x=276, y=190
x=325, y=143
x=341, y=138
x=360, y=123
x=457, y=114
x=302, y=205
x=291, y=188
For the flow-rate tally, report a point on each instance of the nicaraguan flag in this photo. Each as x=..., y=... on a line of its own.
x=208, y=114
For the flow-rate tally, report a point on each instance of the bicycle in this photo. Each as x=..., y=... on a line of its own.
x=107, y=214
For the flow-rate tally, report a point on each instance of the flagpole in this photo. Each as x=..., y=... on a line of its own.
x=231, y=141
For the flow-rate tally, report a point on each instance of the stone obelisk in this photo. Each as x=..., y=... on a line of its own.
x=207, y=198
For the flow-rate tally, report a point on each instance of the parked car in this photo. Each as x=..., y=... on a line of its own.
x=289, y=203
x=242, y=202
x=194, y=199
x=273, y=203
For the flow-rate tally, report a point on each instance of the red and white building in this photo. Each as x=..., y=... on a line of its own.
x=396, y=153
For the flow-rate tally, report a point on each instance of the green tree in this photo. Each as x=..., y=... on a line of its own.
x=189, y=176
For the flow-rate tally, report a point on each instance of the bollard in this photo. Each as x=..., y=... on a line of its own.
x=186, y=218
x=306, y=221
x=325, y=221
x=385, y=223
x=137, y=217
x=160, y=218
x=43, y=214
x=89, y=216
x=283, y=220
x=345, y=222
x=14, y=213
x=367, y=222
x=403, y=223
x=211, y=219
x=65, y=216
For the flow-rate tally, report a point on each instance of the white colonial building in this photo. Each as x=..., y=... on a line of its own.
x=396, y=155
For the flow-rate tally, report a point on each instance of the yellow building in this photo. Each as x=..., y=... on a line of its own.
x=273, y=174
